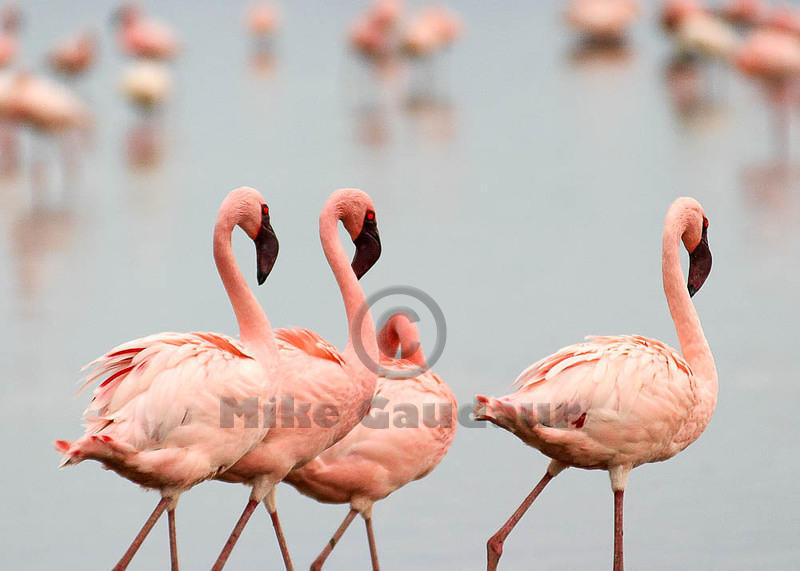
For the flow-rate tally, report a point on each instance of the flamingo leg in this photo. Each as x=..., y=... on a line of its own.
x=337, y=535
x=139, y=539
x=173, y=540
x=618, y=529
x=237, y=531
x=494, y=547
x=373, y=550
x=287, y=560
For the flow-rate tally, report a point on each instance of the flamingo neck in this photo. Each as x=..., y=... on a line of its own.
x=399, y=331
x=693, y=342
x=352, y=295
x=254, y=327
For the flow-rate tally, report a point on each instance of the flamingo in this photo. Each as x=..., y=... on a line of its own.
x=9, y=25
x=704, y=34
x=262, y=20
x=372, y=33
x=314, y=373
x=369, y=464
x=433, y=29
x=773, y=58
x=142, y=37
x=744, y=12
x=155, y=417
x=41, y=103
x=674, y=11
x=74, y=55
x=146, y=84
x=614, y=403
x=602, y=21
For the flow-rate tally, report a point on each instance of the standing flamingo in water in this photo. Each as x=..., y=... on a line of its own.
x=372, y=462
x=314, y=374
x=614, y=403
x=155, y=418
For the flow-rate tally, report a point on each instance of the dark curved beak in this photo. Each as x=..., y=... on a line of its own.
x=699, y=264
x=368, y=249
x=266, y=249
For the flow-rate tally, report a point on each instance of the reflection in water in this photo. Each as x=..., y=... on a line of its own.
x=44, y=226
x=588, y=52
x=263, y=63
x=771, y=185
x=376, y=94
x=9, y=150
x=691, y=94
x=145, y=142
x=434, y=116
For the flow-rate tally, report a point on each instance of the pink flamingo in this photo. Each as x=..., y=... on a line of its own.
x=41, y=103
x=155, y=418
x=744, y=12
x=74, y=55
x=313, y=372
x=262, y=20
x=614, y=403
x=433, y=29
x=785, y=19
x=773, y=58
x=369, y=464
x=674, y=11
x=9, y=25
x=372, y=34
x=604, y=21
x=140, y=36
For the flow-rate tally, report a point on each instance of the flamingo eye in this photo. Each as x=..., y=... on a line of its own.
x=264, y=209
x=705, y=222
x=370, y=216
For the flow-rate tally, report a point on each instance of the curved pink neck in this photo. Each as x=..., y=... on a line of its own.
x=687, y=324
x=254, y=327
x=399, y=331
x=352, y=294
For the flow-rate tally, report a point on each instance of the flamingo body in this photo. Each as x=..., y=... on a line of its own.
x=155, y=417
x=140, y=36
x=40, y=103
x=611, y=401
x=74, y=55
x=602, y=20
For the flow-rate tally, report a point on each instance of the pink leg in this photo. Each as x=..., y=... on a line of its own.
x=287, y=560
x=337, y=535
x=373, y=551
x=173, y=540
x=237, y=531
x=495, y=545
x=137, y=542
x=618, y=530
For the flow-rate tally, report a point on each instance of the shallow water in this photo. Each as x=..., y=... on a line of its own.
x=523, y=188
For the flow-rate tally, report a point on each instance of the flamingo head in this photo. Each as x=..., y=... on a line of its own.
x=357, y=212
x=695, y=239
x=250, y=212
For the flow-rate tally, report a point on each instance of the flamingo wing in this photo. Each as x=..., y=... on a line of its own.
x=298, y=339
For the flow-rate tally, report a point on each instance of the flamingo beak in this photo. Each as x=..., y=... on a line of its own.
x=266, y=249
x=699, y=264
x=368, y=248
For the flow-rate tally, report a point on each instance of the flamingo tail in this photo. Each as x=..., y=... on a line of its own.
x=94, y=446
